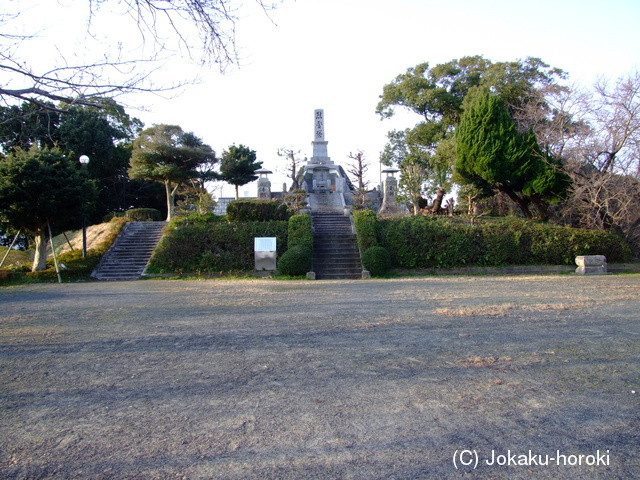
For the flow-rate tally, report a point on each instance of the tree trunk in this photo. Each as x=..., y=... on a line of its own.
x=171, y=199
x=541, y=206
x=167, y=189
x=523, y=203
x=40, y=257
x=416, y=207
x=437, y=202
x=237, y=194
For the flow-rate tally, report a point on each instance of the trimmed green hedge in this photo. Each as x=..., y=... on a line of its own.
x=300, y=231
x=214, y=247
x=365, y=222
x=253, y=210
x=197, y=218
x=426, y=242
x=143, y=215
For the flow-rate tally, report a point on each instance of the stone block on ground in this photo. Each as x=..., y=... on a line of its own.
x=591, y=264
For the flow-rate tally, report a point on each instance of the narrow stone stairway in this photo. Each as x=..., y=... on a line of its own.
x=335, y=251
x=130, y=253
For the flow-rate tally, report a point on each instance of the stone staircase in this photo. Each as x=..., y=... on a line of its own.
x=335, y=251
x=130, y=253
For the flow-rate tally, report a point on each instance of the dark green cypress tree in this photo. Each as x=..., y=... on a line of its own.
x=494, y=156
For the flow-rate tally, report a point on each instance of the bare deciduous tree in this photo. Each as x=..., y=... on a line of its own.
x=604, y=161
x=358, y=168
x=412, y=178
x=201, y=30
x=293, y=168
x=616, y=125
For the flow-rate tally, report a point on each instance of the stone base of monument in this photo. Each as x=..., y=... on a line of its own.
x=391, y=210
x=591, y=265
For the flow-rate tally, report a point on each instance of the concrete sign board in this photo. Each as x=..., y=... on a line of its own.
x=265, y=253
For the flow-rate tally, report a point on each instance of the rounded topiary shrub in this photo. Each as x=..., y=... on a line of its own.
x=143, y=215
x=376, y=260
x=295, y=261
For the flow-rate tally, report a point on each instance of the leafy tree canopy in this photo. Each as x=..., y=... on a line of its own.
x=238, y=166
x=103, y=133
x=167, y=154
x=42, y=187
x=437, y=94
x=26, y=125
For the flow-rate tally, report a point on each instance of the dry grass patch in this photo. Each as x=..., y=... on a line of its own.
x=480, y=362
x=482, y=310
x=507, y=309
x=380, y=322
x=96, y=234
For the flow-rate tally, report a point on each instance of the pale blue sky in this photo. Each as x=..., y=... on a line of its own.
x=338, y=55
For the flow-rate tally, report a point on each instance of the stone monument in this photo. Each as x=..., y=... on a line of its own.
x=321, y=175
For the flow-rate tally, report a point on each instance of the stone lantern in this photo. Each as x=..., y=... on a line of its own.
x=264, y=185
x=390, y=189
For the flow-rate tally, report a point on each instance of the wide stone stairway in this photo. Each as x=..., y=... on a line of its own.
x=129, y=255
x=335, y=251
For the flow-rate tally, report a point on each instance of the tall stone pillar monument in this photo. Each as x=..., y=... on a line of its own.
x=321, y=175
x=320, y=154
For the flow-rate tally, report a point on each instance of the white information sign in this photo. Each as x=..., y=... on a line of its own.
x=264, y=244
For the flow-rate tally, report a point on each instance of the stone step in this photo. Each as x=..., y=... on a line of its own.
x=339, y=271
x=117, y=267
x=334, y=230
x=327, y=251
x=339, y=267
x=130, y=254
x=335, y=253
x=338, y=276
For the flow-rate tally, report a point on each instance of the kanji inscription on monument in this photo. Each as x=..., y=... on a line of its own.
x=319, y=125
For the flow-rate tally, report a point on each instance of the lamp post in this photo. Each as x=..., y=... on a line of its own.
x=84, y=160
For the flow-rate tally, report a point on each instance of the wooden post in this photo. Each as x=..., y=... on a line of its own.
x=9, y=249
x=53, y=249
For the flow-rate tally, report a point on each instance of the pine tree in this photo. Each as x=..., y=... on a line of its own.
x=166, y=154
x=238, y=166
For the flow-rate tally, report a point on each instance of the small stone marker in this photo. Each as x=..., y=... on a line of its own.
x=591, y=264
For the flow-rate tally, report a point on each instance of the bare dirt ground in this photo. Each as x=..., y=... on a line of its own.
x=414, y=378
